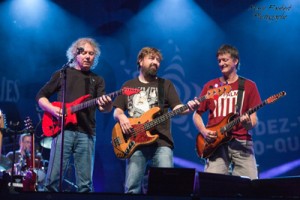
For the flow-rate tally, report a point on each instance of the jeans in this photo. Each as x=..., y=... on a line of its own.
x=82, y=147
x=235, y=157
x=137, y=163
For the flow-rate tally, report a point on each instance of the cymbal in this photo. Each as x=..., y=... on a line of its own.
x=46, y=142
x=5, y=163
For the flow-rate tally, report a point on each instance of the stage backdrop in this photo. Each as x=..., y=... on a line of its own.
x=35, y=35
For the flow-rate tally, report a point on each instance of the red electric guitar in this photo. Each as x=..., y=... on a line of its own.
x=51, y=126
x=30, y=179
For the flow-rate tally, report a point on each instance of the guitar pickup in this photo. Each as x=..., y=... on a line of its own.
x=117, y=141
x=130, y=146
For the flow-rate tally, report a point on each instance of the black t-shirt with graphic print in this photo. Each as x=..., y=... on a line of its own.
x=136, y=105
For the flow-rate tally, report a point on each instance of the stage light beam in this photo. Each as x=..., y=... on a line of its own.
x=28, y=13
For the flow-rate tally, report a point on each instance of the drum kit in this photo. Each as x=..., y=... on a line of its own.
x=41, y=166
x=5, y=163
x=18, y=169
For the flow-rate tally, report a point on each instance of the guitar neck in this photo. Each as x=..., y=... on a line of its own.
x=30, y=155
x=32, y=151
x=234, y=122
x=93, y=102
x=168, y=115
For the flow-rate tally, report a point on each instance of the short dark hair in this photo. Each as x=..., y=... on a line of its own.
x=147, y=51
x=234, y=53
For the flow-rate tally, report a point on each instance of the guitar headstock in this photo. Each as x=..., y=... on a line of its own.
x=2, y=120
x=28, y=125
x=216, y=92
x=130, y=91
x=275, y=97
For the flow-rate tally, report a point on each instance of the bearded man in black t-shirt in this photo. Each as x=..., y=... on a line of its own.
x=160, y=152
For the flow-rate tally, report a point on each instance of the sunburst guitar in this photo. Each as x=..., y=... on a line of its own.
x=205, y=148
x=125, y=144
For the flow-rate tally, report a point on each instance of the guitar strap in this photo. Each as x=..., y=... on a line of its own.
x=92, y=86
x=161, y=94
x=240, y=94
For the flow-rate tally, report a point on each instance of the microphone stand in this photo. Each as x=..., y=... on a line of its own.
x=63, y=76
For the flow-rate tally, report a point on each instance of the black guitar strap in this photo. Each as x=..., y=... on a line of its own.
x=161, y=95
x=240, y=94
x=92, y=86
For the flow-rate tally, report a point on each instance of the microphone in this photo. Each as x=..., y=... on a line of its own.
x=80, y=50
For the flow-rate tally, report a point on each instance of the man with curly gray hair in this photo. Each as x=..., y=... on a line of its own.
x=79, y=138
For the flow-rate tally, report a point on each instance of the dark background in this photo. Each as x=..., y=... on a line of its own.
x=35, y=34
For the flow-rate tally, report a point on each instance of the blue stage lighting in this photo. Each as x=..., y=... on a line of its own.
x=28, y=12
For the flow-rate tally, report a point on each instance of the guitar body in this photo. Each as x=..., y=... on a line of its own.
x=205, y=148
x=52, y=126
x=124, y=145
x=29, y=182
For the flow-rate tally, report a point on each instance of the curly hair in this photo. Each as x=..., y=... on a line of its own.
x=73, y=50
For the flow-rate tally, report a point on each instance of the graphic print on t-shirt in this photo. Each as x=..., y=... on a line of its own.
x=139, y=103
x=226, y=104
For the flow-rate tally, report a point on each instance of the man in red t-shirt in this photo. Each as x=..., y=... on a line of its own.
x=237, y=156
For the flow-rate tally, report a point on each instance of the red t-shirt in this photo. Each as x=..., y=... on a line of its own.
x=226, y=104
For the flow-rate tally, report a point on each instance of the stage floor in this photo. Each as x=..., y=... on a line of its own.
x=177, y=187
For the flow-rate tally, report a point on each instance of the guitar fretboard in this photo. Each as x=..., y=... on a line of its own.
x=234, y=122
x=93, y=102
x=168, y=115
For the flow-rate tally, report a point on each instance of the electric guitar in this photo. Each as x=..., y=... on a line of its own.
x=30, y=178
x=205, y=148
x=52, y=126
x=125, y=144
